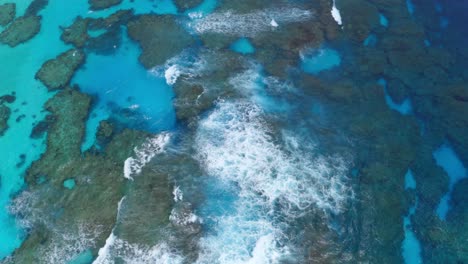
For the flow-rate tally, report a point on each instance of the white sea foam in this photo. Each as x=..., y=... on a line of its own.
x=183, y=64
x=117, y=248
x=171, y=74
x=241, y=240
x=184, y=218
x=335, y=12
x=273, y=23
x=104, y=254
x=235, y=145
x=139, y=254
x=267, y=92
x=67, y=244
x=249, y=24
x=178, y=194
x=144, y=154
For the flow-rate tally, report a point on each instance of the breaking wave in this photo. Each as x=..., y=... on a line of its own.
x=144, y=154
x=235, y=145
x=139, y=254
x=250, y=24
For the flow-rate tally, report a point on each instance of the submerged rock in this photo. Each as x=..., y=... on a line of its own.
x=118, y=18
x=105, y=132
x=21, y=30
x=36, y=6
x=57, y=73
x=160, y=38
x=7, y=13
x=358, y=22
x=80, y=34
x=183, y=5
x=103, y=4
x=5, y=113
x=8, y=98
x=185, y=101
x=41, y=128
x=77, y=33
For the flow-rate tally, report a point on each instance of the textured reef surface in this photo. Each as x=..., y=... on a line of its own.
x=249, y=131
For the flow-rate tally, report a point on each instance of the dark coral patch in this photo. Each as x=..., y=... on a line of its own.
x=77, y=33
x=36, y=6
x=8, y=98
x=103, y=4
x=21, y=30
x=7, y=13
x=57, y=73
x=5, y=113
x=160, y=38
x=183, y=5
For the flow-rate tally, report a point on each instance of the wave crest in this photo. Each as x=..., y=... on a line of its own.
x=250, y=24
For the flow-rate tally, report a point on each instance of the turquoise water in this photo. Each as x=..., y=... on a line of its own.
x=243, y=46
x=410, y=6
x=18, y=71
x=447, y=159
x=383, y=20
x=205, y=8
x=83, y=258
x=371, y=40
x=411, y=245
x=315, y=61
x=403, y=108
x=123, y=83
x=69, y=184
x=410, y=182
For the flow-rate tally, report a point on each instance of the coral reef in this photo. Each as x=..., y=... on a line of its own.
x=105, y=132
x=92, y=202
x=77, y=33
x=160, y=38
x=35, y=6
x=184, y=5
x=21, y=30
x=4, y=116
x=56, y=73
x=103, y=4
x=7, y=13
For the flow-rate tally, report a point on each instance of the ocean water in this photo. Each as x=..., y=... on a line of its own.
x=266, y=140
x=314, y=61
x=123, y=83
x=403, y=108
x=243, y=46
x=446, y=158
x=383, y=20
x=411, y=246
x=371, y=40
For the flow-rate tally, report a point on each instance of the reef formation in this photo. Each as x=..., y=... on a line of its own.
x=320, y=144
